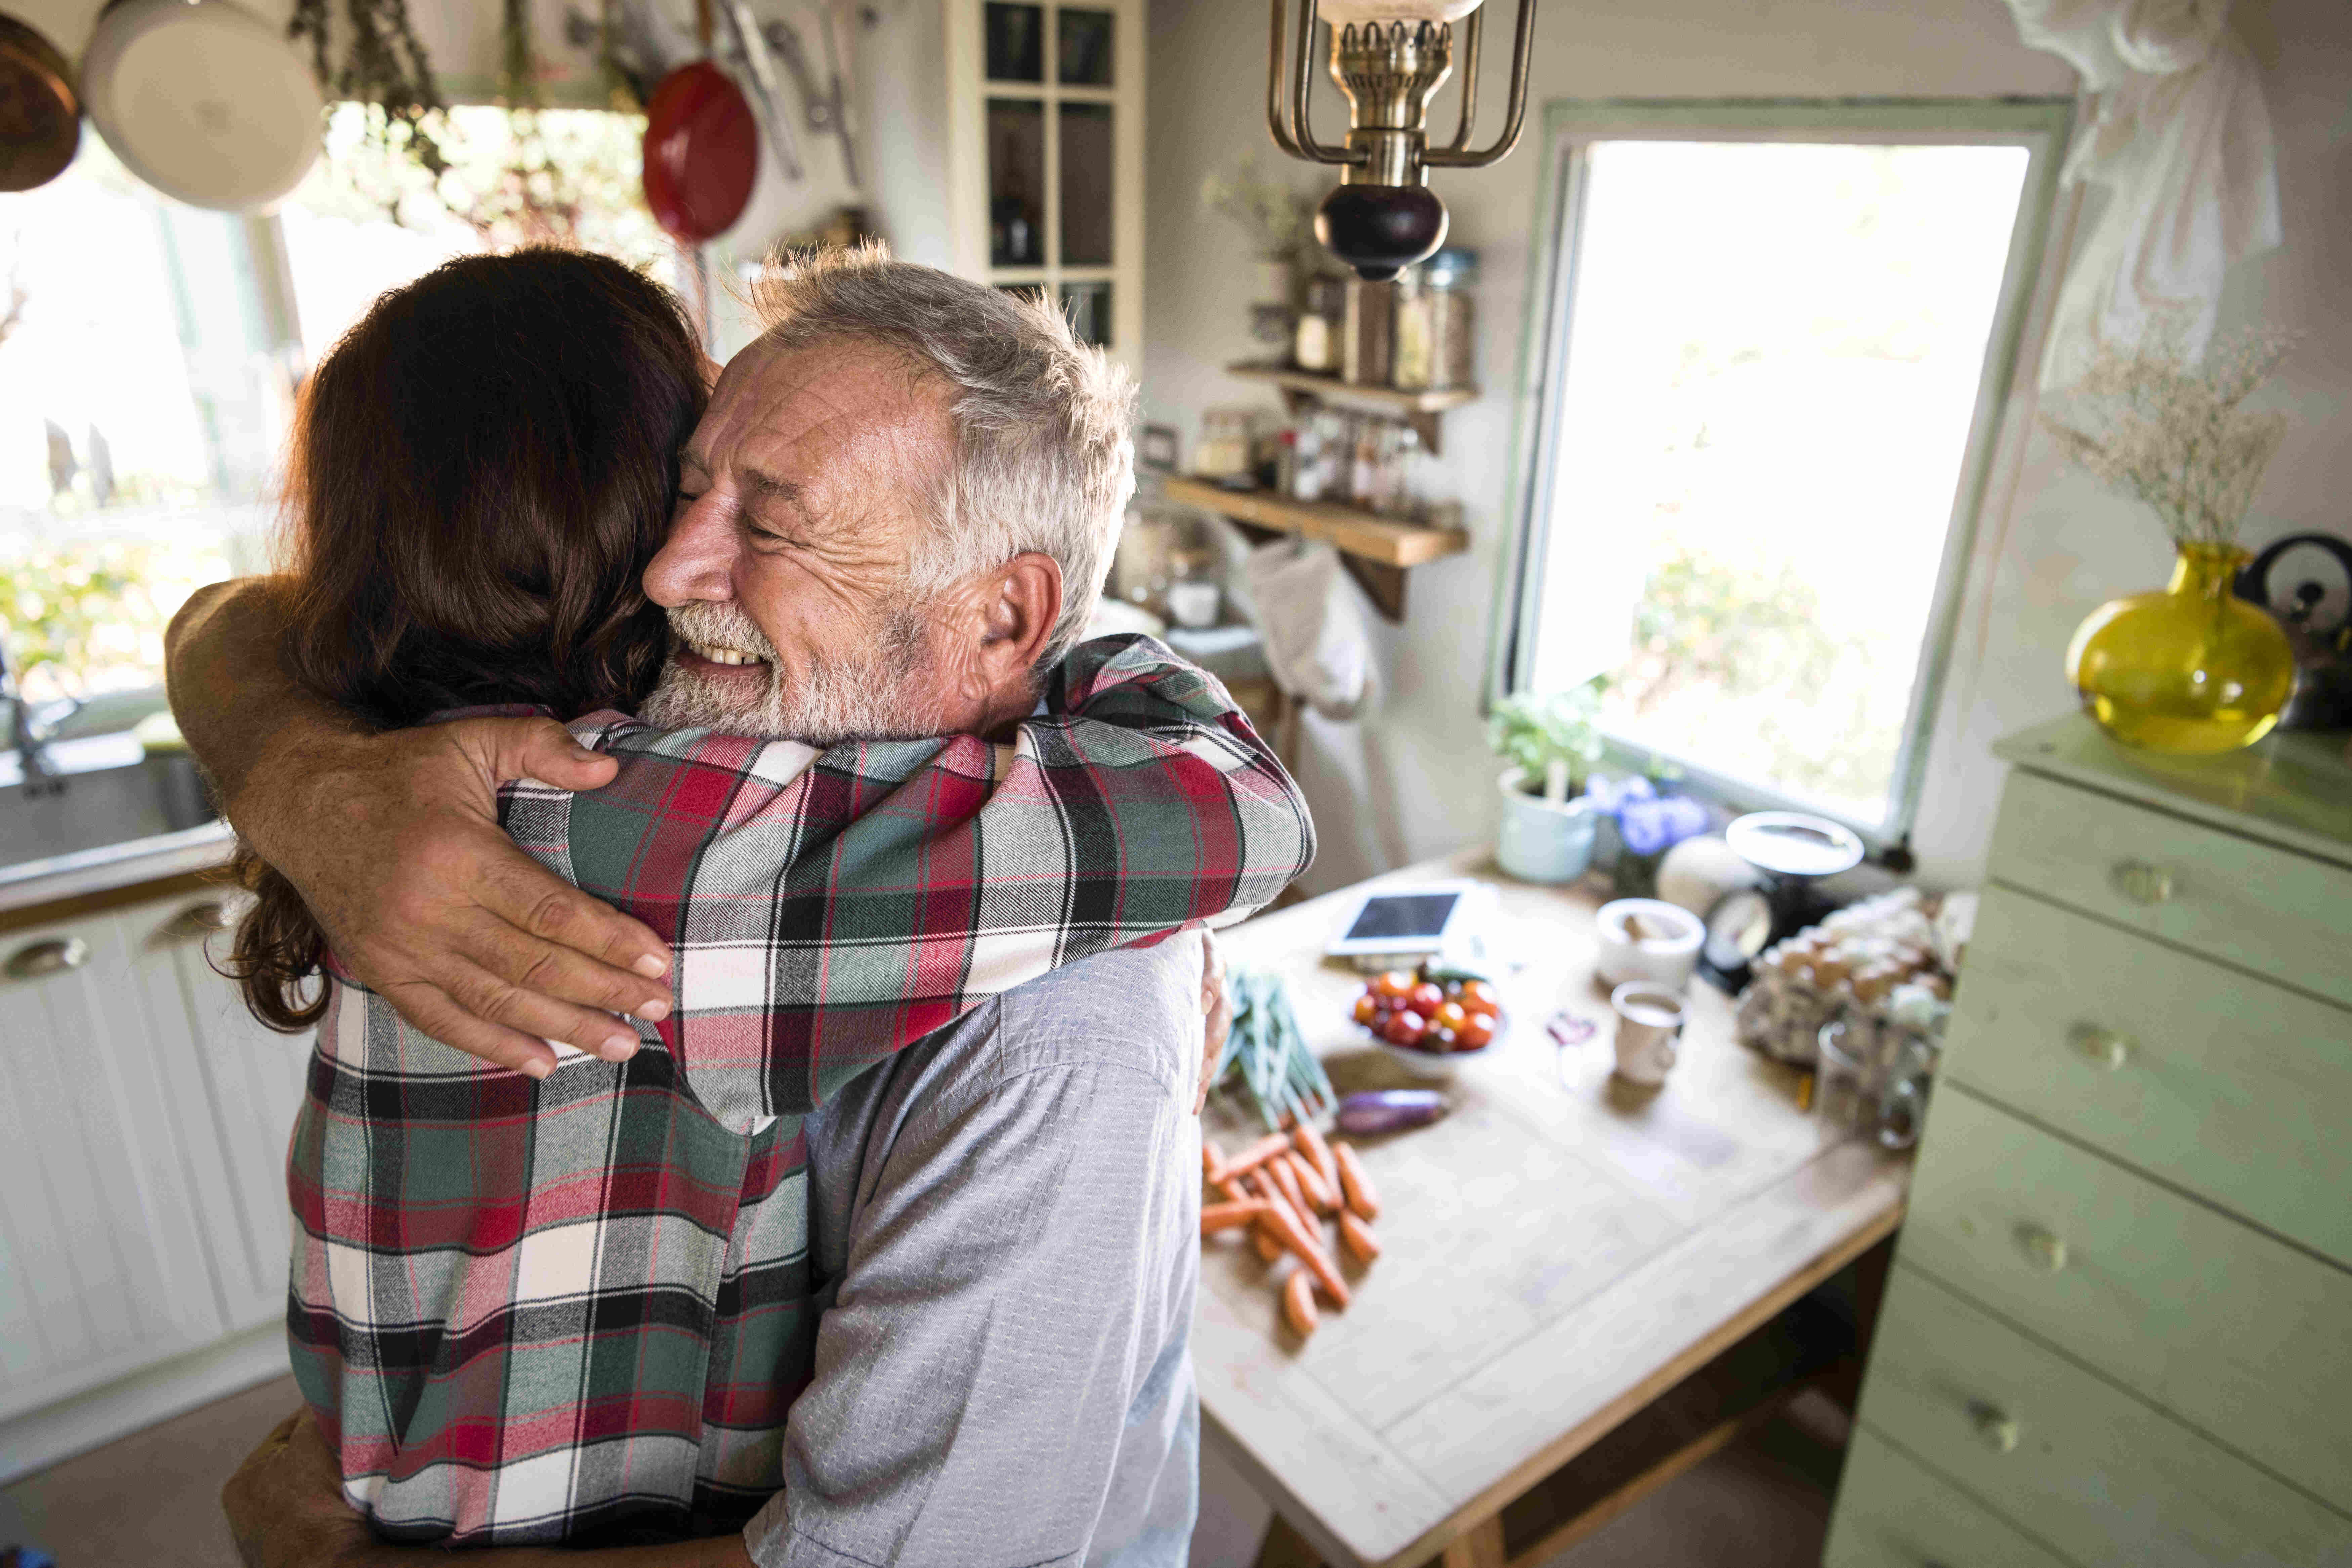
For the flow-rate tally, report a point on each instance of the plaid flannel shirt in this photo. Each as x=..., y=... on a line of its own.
x=577, y=1310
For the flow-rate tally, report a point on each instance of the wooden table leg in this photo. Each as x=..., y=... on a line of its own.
x=1285, y=1548
x=1481, y=1548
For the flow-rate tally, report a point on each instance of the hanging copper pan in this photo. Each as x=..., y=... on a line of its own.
x=40, y=113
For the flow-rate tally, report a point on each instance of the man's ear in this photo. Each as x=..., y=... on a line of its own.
x=1018, y=616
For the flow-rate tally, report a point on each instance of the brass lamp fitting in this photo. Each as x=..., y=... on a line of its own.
x=1389, y=57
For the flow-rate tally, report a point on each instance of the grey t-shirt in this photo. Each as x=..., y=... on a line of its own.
x=1006, y=1218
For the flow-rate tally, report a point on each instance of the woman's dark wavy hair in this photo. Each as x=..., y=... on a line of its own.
x=479, y=474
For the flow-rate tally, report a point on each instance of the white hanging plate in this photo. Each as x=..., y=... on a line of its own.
x=203, y=100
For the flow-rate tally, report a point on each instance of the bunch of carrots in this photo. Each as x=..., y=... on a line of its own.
x=1283, y=1186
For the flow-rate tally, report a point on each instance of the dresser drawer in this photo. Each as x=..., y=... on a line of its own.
x=2234, y=1330
x=1892, y=1512
x=2217, y=1082
x=2067, y=1457
x=2272, y=910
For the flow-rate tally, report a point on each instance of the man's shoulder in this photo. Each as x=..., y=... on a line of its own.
x=1136, y=1008
x=1129, y=1019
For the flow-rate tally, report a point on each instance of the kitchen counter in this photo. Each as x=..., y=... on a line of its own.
x=115, y=869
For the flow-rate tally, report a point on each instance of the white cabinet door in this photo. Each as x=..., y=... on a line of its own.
x=102, y=1265
x=235, y=1093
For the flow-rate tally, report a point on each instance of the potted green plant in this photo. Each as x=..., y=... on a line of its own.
x=1551, y=743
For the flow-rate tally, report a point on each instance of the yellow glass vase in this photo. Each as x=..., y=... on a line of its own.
x=2191, y=668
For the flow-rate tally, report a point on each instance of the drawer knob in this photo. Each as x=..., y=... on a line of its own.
x=2046, y=1251
x=2109, y=1048
x=35, y=960
x=1994, y=1425
x=2143, y=883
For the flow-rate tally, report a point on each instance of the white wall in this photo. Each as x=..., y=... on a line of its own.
x=1415, y=778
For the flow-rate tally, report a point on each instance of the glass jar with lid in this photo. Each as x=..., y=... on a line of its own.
x=1434, y=322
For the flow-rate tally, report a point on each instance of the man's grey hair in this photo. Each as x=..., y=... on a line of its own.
x=1044, y=460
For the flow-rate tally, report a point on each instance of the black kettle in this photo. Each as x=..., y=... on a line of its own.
x=2323, y=647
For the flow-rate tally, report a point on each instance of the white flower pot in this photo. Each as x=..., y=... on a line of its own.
x=1543, y=841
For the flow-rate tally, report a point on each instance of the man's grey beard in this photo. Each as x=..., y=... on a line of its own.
x=867, y=693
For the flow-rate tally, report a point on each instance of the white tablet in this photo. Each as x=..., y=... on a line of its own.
x=1407, y=922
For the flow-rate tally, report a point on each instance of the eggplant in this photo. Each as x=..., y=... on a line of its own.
x=1390, y=1111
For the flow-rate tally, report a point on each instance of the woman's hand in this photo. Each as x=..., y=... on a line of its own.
x=285, y=1503
x=1217, y=1005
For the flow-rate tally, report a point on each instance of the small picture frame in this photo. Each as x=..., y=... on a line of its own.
x=1156, y=448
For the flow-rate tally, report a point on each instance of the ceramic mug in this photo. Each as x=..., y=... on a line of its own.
x=1649, y=1023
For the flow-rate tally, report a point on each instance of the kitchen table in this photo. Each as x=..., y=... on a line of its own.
x=1559, y=1252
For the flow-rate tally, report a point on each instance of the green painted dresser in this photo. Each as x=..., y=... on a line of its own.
x=2118, y=1332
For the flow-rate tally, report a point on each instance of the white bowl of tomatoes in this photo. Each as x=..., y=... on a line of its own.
x=1430, y=1018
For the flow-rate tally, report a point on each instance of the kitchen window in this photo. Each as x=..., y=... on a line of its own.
x=1046, y=157
x=150, y=354
x=1766, y=364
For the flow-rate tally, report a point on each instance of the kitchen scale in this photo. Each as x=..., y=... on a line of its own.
x=1792, y=853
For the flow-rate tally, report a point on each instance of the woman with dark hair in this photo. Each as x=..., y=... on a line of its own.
x=481, y=470
x=575, y=1310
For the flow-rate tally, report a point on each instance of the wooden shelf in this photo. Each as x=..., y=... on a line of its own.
x=1376, y=549
x=1418, y=409
x=1331, y=389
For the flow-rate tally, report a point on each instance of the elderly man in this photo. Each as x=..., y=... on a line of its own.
x=1001, y=1217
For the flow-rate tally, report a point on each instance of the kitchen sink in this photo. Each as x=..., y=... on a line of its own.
x=101, y=790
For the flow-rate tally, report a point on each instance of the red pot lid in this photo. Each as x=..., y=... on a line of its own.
x=702, y=150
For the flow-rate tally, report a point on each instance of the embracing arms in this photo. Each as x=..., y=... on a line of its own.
x=1143, y=801
x=393, y=841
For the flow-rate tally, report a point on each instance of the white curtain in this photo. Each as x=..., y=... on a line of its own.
x=2177, y=144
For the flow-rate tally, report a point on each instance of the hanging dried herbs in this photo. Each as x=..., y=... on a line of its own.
x=385, y=66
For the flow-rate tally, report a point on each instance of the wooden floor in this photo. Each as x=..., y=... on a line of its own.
x=150, y=1498
x=1761, y=1502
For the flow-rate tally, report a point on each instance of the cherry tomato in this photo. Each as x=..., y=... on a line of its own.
x=1394, y=986
x=1404, y=1028
x=1477, y=1030
x=1452, y=990
x=1426, y=999
x=1477, y=997
x=1439, y=1038
x=1448, y=1017
x=1368, y=1007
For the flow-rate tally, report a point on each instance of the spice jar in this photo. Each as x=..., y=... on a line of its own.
x=1316, y=345
x=1366, y=339
x=1433, y=322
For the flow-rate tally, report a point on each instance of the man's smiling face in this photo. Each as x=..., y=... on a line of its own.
x=804, y=494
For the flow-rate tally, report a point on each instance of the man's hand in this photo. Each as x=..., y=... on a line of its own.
x=286, y=1510
x=1217, y=1004
x=393, y=841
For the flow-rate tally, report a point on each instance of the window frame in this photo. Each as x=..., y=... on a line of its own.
x=968, y=91
x=2039, y=125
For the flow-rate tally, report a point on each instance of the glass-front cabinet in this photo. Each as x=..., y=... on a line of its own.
x=1047, y=157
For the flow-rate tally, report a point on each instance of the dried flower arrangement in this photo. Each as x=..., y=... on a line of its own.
x=2179, y=436
x=1278, y=220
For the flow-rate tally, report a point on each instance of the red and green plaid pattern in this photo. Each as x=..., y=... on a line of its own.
x=577, y=1310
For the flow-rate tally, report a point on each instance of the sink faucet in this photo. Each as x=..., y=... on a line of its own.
x=29, y=729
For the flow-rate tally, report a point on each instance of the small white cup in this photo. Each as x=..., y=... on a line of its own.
x=1649, y=1024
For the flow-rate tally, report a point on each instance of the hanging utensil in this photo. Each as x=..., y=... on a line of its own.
x=203, y=100
x=828, y=105
x=701, y=147
x=774, y=112
x=40, y=113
